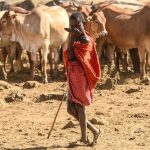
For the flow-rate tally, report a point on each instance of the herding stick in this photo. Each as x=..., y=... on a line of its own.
x=55, y=117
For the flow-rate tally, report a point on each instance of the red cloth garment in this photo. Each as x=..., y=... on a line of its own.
x=86, y=54
x=78, y=85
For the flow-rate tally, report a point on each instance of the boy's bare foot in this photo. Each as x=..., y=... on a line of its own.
x=81, y=142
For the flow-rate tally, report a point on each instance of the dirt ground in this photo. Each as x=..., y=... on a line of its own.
x=121, y=113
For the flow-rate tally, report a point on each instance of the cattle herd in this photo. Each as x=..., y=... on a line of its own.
x=119, y=33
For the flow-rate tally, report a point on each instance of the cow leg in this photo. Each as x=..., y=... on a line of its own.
x=39, y=60
x=126, y=66
x=4, y=73
x=147, y=62
x=63, y=48
x=56, y=59
x=29, y=58
x=127, y=62
x=61, y=54
x=18, y=57
x=32, y=64
x=142, y=62
x=118, y=57
x=135, y=59
x=40, y=56
x=44, y=63
x=99, y=44
x=110, y=50
x=44, y=53
x=4, y=56
x=50, y=57
x=11, y=56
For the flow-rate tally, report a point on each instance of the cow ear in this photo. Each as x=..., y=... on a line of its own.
x=93, y=11
x=94, y=7
x=89, y=18
x=12, y=14
x=7, y=13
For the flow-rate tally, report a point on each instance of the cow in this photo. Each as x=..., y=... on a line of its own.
x=27, y=4
x=42, y=28
x=4, y=5
x=11, y=49
x=128, y=29
x=58, y=2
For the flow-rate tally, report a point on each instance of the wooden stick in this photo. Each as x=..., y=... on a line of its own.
x=55, y=117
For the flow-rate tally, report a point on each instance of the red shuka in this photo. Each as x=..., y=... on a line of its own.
x=86, y=54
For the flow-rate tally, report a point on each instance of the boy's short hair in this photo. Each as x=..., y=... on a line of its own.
x=77, y=16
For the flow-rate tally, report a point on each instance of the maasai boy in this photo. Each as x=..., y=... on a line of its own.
x=83, y=72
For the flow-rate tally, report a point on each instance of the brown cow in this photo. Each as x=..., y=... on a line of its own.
x=85, y=9
x=128, y=29
x=42, y=28
x=27, y=4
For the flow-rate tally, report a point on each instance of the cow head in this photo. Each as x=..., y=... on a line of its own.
x=7, y=24
x=98, y=22
x=69, y=7
x=84, y=9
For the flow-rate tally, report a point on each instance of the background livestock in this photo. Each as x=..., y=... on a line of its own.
x=27, y=109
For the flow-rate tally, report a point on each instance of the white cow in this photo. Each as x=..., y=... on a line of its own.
x=42, y=28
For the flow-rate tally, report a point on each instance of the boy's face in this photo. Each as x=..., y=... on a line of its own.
x=76, y=27
x=74, y=24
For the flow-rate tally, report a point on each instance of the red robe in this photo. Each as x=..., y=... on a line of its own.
x=86, y=54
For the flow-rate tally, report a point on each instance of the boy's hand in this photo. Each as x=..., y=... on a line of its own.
x=75, y=31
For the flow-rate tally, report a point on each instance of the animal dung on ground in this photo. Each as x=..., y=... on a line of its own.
x=15, y=97
x=99, y=121
x=31, y=84
x=132, y=90
x=70, y=124
x=138, y=115
x=45, y=97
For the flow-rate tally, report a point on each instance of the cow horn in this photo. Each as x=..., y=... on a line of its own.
x=70, y=3
x=91, y=3
x=54, y=4
x=75, y=5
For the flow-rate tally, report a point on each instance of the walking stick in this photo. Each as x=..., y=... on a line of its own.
x=55, y=117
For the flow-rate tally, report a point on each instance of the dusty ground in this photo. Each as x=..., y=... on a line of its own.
x=122, y=114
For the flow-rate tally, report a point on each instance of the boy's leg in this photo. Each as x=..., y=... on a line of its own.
x=71, y=107
x=83, y=122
